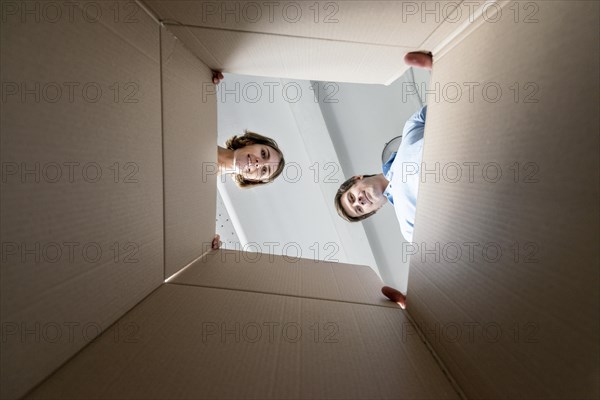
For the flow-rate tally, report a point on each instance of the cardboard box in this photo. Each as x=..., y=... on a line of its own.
x=102, y=201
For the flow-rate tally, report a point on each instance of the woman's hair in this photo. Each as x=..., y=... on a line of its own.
x=249, y=138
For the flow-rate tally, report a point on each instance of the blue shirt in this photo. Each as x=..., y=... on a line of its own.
x=402, y=172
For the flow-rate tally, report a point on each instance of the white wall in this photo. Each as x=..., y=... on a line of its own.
x=337, y=129
x=294, y=215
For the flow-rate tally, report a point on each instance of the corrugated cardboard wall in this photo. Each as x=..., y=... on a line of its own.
x=504, y=279
x=190, y=142
x=81, y=190
x=191, y=342
x=292, y=276
x=82, y=174
x=320, y=40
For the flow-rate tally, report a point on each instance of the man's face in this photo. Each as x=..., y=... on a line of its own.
x=256, y=162
x=364, y=196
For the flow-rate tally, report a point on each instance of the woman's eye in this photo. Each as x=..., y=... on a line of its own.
x=263, y=153
x=359, y=209
x=264, y=170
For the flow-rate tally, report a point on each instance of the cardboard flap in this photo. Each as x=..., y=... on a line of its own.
x=189, y=342
x=325, y=41
x=81, y=189
x=504, y=276
x=285, y=275
x=190, y=153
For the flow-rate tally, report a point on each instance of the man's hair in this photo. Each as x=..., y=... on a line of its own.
x=249, y=138
x=344, y=187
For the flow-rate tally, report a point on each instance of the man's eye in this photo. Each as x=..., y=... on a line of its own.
x=359, y=209
x=264, y=170
x=263, y=153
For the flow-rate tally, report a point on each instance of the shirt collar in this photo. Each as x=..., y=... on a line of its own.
x=389, y=174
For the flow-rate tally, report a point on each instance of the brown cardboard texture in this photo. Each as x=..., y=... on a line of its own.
x=517, y=315
x=103, y=197
x=189, y=151
x=81, y=190
x=311, y=40
x=204, y=343
x=269, y=273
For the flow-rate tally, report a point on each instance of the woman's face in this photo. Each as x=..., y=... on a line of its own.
x=256, y=162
